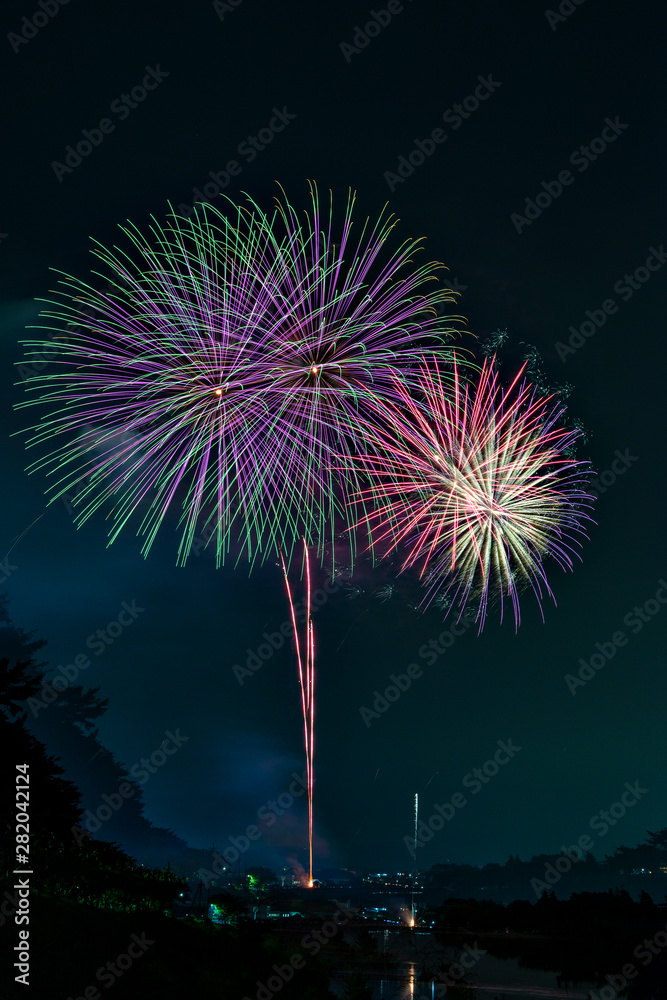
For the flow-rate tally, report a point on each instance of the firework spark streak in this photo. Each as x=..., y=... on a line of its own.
x=306, y=664
x=475, y=485
x=221, y=371
x=223, y=366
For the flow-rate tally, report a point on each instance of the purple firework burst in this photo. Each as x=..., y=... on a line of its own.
x=223, y=368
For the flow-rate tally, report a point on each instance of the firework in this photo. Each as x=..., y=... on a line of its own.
x=306, y=664
x=223, y=366
x=474, y=485
x=385, y=593
x=221, y=369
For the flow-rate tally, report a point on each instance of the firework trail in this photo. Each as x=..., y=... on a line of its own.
x=476, y=486
x=306, y=664
x=19, y=537
x=220, y=369
x=250, y=372
x=223, y=366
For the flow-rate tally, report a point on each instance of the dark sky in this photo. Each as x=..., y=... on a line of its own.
x=554, y=87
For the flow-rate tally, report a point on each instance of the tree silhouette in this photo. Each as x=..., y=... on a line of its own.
x=16, y=686
x=52, y=803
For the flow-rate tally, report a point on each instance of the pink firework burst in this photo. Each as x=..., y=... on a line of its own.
x=474, y=483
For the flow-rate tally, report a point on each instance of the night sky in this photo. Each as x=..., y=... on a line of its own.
x=554, y=83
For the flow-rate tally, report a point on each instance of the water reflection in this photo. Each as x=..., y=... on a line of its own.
x=403, y=984
x=409, y=967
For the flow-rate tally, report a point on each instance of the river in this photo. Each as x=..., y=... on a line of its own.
x=491, y=976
